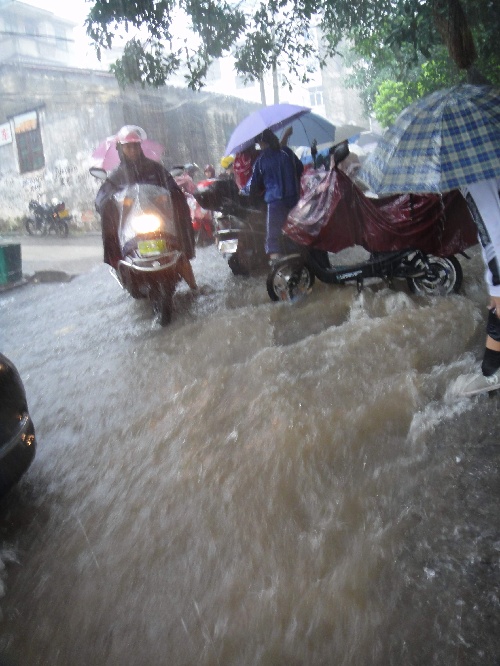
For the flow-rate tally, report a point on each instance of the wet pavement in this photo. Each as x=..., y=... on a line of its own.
x=47, y=258
x=256, y=483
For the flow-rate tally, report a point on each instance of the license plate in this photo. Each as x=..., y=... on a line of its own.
x=151, y=248
x=228, y=246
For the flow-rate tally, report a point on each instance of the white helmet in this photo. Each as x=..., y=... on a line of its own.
x=131, y=134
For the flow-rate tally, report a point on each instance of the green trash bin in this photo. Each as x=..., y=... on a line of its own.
x=10, y=263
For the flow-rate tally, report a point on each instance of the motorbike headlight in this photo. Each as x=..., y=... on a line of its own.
x=146, y=223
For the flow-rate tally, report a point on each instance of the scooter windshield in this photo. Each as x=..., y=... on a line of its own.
x=145, y=211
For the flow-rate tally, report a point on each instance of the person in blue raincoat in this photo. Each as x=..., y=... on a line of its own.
x=276, y=174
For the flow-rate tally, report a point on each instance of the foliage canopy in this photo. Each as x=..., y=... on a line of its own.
x=389, y=40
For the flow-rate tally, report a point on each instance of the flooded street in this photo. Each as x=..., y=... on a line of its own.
x=255, y=484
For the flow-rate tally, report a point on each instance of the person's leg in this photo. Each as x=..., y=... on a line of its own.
x=277, y=212
x=109, y=226
x=186, y=271
x=491, y=359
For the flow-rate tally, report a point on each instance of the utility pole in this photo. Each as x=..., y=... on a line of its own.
x=276, y=89
x=262, y=91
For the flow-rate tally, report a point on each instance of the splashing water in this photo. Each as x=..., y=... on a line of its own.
x=257, y=483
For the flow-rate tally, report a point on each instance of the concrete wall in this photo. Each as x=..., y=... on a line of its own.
x=78, y=108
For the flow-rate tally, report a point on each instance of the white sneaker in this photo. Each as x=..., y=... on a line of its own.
x=468, y=385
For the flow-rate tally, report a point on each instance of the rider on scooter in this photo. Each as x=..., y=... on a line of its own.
x=135, y=168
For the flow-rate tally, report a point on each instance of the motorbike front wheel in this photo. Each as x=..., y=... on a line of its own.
x=33, y=228
x=289, y=280
x=162, y=302
x=443, y=276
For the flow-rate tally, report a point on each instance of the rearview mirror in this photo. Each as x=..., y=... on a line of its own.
x=101, y=174
x=340, y=152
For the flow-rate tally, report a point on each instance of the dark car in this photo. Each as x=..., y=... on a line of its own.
x=17, y=433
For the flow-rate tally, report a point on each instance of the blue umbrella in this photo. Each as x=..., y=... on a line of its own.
x=304, y=155
x=269, y=117
x=309, y=127
x=444, y=141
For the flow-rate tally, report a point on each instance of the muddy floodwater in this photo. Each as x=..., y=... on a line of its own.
x=255, y=484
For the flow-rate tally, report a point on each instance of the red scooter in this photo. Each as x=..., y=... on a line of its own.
x=202, y=219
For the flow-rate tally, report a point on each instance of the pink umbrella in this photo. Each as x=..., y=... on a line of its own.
x=106, y=156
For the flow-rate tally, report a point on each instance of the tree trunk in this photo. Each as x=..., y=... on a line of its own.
x=276, y=89
x=262, y=91
x=453, y=27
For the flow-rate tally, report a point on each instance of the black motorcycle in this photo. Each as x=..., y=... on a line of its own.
x=48, y=218
x=408, y=237
x=424, y=274
x=239, y=224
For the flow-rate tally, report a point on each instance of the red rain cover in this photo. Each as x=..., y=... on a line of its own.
x=334, y=214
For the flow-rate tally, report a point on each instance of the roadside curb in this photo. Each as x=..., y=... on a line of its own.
x=14, y=285
x=38, y=277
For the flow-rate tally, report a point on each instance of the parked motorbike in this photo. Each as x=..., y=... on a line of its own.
x=202, y=219
x=152, y=262
x=409, y=237
x=425, y=274
x=48, y=218
x=239, y=224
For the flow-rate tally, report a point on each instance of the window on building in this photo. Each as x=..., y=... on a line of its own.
x=30, y=28
x=9, y=24
x=316, y=96
x=47, y=32
x=61, y=38
x=29, y=142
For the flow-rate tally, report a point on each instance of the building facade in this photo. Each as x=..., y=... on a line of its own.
x=28, y=34
x=53, y=116
x=54, y=112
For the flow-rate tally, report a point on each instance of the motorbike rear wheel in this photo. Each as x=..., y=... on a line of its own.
x=443, y=276
x=236, y=267
x=61, y=228
x=289, y=280
x=162, y=302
